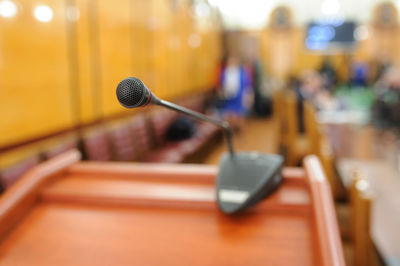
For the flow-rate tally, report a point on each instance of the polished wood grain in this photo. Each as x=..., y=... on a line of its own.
x=361, y=201
x=117, y=236
x=20, y=197
x=35, y=74
x=324, y=213
x=153, y=214
x=141, y=191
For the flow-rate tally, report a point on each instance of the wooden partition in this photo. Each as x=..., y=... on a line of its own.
x=117, y=55
x=35, y=95
x=152, y=214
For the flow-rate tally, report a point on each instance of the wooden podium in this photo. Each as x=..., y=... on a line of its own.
x=66, y=212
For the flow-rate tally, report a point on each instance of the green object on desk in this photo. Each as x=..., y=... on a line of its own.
x=356, y=98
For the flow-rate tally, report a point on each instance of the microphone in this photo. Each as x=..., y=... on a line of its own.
x=243, y=179
x=132, y=93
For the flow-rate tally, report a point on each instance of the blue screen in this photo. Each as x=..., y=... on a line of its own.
x=322, y=36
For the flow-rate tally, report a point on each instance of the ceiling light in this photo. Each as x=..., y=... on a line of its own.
x=43, y=13
x=330, y=7
x=8, y=9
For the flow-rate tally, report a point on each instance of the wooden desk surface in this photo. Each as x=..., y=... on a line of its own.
x=258, y=134
x=66, y=212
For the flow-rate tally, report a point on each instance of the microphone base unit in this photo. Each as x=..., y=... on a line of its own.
x=244, y=178
x=247, y=178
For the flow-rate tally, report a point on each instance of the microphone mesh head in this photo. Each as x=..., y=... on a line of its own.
x=131, y=92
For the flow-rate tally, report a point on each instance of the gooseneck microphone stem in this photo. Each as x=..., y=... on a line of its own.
x=234, y=193
x=222, y=124
x=132, y=93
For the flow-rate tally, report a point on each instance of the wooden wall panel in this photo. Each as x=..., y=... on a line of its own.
x=34, y=81
x=116, y=54
x=159, y=20
x=141, y=38
x=82, y=15
x=147, y=23
x=176, y=46
x=72, y=65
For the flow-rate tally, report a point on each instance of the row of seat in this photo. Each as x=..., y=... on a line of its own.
x=298, y=144
x=355, y=222
x=353, y=216
x=140, y=137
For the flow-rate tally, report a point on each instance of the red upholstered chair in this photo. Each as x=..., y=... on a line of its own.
x=96, y=145
x=160, y=119
x=179, y=151
x=142, y=136
x=10, y=175
x=122, y=141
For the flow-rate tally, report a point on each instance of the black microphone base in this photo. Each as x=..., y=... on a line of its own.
x=246, y=178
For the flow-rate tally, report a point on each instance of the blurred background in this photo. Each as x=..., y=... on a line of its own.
x=292, y=77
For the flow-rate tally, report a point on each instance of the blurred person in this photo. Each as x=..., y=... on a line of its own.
x=293, y=82
x=215, y=101
x=311, y=89
x=310, y=83
x=235, y=92
x=262, y=105
x=359, y=74
x=328, y=73
x=386, y=109
x=378, y=68
x=390, y=79
x=182, y=128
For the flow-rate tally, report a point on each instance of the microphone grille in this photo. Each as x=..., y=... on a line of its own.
x=131, y=92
